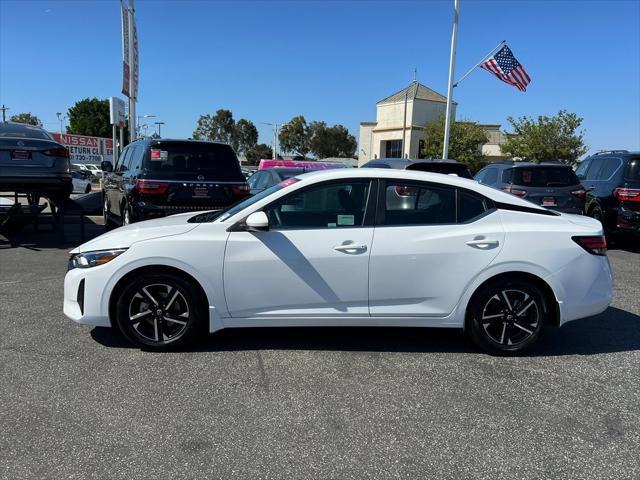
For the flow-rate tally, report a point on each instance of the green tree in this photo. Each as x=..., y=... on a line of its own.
x=258, y=152
x=245, y=136
x=90, y=116
x=217, y=128
x=547, y=138
x=335, y=141
x=26, y=118
x=465, y=142
x=294, y=136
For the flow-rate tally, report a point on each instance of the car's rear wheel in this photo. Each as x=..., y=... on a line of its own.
x=108, y=224
x=507, y=316
x=160, y=311
x=88, y=189
x=127, y=218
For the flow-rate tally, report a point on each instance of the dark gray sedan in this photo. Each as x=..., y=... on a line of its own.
x=32, y=162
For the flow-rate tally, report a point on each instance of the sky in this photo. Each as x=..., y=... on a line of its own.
x=327, y=60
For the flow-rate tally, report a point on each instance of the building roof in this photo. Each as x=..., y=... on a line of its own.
x=415, y=91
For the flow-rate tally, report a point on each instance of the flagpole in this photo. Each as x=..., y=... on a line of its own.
x=503, y=42
x=452, y=62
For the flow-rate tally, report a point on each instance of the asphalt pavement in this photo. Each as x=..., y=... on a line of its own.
x=77, y=402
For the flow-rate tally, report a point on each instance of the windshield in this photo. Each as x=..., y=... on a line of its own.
x=540, y=176
x=222, y=215
x=214, y=160
x=19, y=130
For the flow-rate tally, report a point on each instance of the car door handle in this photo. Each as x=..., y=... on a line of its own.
x=351, y=248
x=483, y=243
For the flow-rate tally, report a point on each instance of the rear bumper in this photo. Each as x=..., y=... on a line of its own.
x=146, y=211
x=37, y=184
x=573, y=210
x=628, y=220
x=583, y=288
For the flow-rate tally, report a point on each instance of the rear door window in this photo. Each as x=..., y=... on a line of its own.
x=212, y=160
x=609, y=168
x=419, y=204
x=543, y=176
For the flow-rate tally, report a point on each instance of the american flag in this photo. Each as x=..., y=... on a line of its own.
x=505, y=66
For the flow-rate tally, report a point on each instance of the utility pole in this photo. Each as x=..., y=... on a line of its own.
x=159, y=124
x=4, y=110
x=452, y=64
x=275, y=138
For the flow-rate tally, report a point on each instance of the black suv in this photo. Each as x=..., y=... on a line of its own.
x=154, y=178
x=613, y=182
x=448, y=167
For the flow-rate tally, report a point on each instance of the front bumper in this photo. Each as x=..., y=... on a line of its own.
x=83, y=294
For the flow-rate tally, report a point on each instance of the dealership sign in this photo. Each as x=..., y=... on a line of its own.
x=85, y=149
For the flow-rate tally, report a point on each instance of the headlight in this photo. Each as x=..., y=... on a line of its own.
x=93, y=259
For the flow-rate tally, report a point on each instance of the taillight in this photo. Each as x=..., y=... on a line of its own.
x=150, y=187
x=515, y=191
x=56, y=152
x=240, y=189
x=581, y=194
x=595, y=245
x=627, y=194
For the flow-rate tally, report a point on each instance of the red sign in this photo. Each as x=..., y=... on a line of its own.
x=85, y=149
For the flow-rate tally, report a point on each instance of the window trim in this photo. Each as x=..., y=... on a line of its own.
x=369, y=208
x=382, y=203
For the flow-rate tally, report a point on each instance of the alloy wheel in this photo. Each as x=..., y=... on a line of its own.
x=158, y=313
x=510, y=317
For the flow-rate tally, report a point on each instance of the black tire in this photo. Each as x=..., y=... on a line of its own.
x=176, y=319
x=597, y=214
x=508, y=326
x=88, y=189
x=126, y=216
x=108, y=224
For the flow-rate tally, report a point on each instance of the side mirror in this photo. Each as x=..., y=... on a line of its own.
x=106, y=166
x=257, y=221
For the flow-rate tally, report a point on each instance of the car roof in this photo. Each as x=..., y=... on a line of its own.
x=505, y=165
x=404, y=162
x=148, y=141
x=417, y=175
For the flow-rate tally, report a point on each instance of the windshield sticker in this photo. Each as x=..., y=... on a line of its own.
x=346, y=220
x=157, y=154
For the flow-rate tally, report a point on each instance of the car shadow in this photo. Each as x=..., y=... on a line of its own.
x=615, y=330
x=627, y=243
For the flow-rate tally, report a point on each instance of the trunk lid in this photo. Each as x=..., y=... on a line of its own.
x=27, y=152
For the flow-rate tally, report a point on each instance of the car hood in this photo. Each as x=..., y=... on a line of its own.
x=124, y=237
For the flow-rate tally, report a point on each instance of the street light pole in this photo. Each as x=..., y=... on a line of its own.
x=159, y=124
x=62, y=118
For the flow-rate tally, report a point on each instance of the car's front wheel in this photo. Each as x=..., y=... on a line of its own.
x=160, y=311
x=507, y=316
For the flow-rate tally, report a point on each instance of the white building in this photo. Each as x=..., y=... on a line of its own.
x=399, y=126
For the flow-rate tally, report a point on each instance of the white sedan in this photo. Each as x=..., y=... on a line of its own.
x=349, y=247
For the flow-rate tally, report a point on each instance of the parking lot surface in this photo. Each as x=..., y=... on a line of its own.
x=78, y=402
